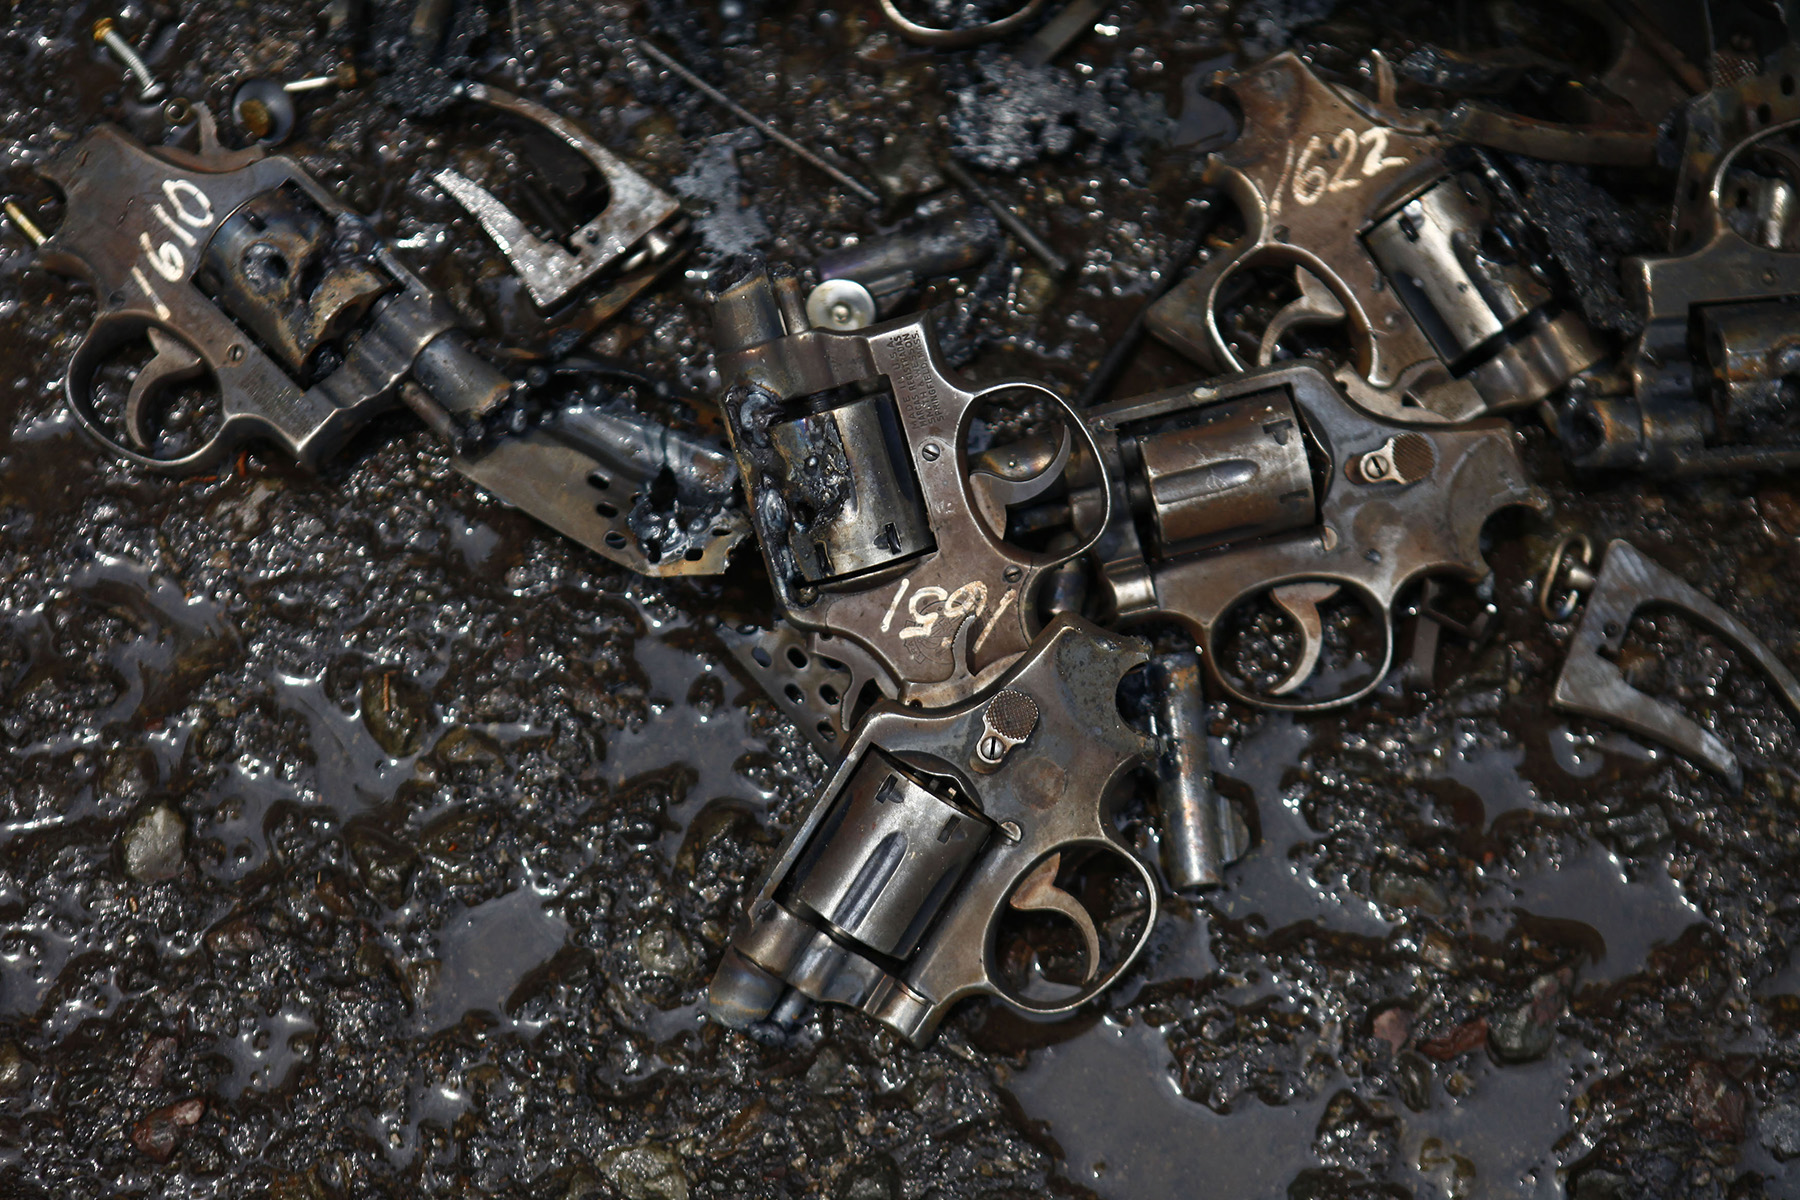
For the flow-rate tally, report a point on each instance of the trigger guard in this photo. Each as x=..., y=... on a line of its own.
x=1209, y=641
x=1279, y=254
x=1099, y=983
x=105, y=335
x=1078, y=428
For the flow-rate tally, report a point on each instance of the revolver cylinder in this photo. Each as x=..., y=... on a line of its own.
x=296, y=278
x=852, y=501
x=880, y=867
x=1464, y=296
x=1272, y=484
x=1222, y=473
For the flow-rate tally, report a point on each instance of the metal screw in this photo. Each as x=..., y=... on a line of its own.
x=344, y=76
x=1012, y=574
x=992, y=749
x=929, y=452
x=149, y=87
x=1377, y=465
x=26, y=225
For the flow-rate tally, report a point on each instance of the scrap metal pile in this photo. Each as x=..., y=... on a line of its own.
x=1001, y=613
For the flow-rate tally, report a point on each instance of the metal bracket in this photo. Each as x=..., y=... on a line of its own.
x=1592, y=685
x=635, y=212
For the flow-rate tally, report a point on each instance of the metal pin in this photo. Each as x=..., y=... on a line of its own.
x=1057, y=263
x=344, y=76
x=1201, y=832
x=26, y=225
x=745, y=115
x=149, y=87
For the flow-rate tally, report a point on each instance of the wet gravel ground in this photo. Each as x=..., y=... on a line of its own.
x=359, y=837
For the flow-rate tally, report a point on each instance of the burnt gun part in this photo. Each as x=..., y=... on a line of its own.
x=807, y=685
x=879, y=528
x=659, y=501
x=1592, y=684
x=640, y=224
x=1201, y=832
x=894, y=266
x=889, y=894
x=240, y=268
x=1446, y=316
x=248, y=271
x=1712, y=375
x=954, y=39
x=1272, y=483
x=1717, y=122
x=1606, y=118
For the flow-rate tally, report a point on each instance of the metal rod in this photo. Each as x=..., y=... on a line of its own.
x=749, y=118
x=1057, y=263
x=1125, y=347
x=26, y=225
x=149, y=87
x=1196, y=840
x=1689, y=76
x=1060, y=30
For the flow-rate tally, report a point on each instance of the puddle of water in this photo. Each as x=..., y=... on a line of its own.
x=31, y=957
x=262, y=1055
x=676, y=731
x=440, y=1103
x=1204, y=123
x=486, y=951
x=1492, y=773
x=1265, y=882
x=1506, y=1125
x=666, y=1023
x=1630, y=915
x=1112, y=1105
x=350, y=770
x=175, y=623
x=471, y=539
x=1582, y=755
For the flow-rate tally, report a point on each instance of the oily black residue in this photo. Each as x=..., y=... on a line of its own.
x=361, y=838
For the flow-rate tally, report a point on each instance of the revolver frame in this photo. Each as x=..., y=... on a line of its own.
x=1359, y=198
x=1037, y=760
x=1388, y=504
x=138, y=226
x=881, y=537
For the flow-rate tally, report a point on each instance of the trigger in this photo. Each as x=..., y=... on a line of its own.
x=1301, y=601
x=995, y=492
x=1316, y=305
x=174, y=363
x=1040, y=893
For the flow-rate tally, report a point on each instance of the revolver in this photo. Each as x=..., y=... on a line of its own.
x=1708, y=386
x=1359, y=199
x=237, y=273
x=916, y=874
x=883, y=529
x=1272, y=484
